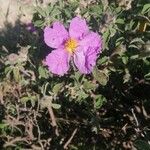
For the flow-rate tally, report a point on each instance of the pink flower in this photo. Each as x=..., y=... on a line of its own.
x=79, y=44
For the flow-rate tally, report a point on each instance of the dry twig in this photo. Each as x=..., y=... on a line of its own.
x=54, y=124
x=12, y=142
x=136, y=120
x=70, y=139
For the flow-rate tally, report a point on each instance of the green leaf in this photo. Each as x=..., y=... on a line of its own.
x=16, y=74
x=46, y=102
x=55, y=12
x=8, y=71
x=38, y=23
x=77, y=76
x=118, y=10
x=96, y=10
x=127, y=76
x=100, y=76
x=40, y=11
x=137, y=40
x=81, y=95
x=133, y=46
x=3, y=125
x=89, y=85
x=57, y=87
x=146, y=8
x=147, y=76
x=106, y=35
x=42, y=72
x=67, y=13
x=125, y=59
x=142, y=145
x=55, y=106
x=24, y=99
x=49, y=10
x=103, y=60
x=30, y=98
x=100, y=99
x=120, y=21
x=112, y=31
x=33, y=100
x=119, y=41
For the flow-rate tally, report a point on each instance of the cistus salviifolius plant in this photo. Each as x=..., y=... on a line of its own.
x=79, y=44
x=93, y=93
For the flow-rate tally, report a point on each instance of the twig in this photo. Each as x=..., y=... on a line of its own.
x=144, y=112
x=70, y=139
x=54, y=124
x=70, y=121
x=136, y=121
x=12, y=142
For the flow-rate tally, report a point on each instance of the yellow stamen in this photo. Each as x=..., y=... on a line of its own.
x=71, y=45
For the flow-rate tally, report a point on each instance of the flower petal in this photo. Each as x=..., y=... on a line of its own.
x=58, y=62
x=86, y=55
x=91, y=57
x=80, y=60
x=55, y=36
x=85, y=60
x=93, y=41
x=78, y=28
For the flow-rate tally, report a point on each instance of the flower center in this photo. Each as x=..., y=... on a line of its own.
x=71, y=45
